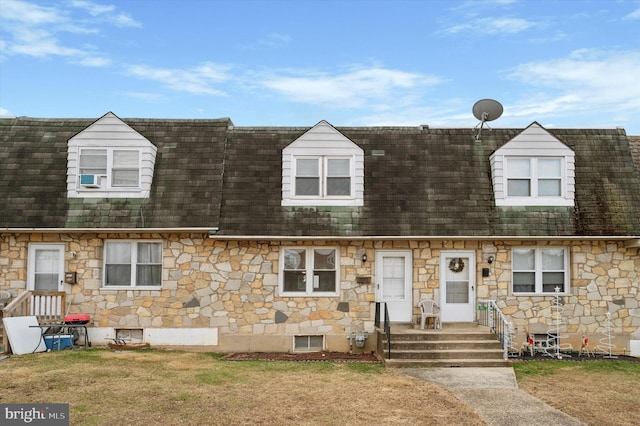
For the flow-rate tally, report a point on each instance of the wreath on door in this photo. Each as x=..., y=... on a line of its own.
x=456, y=265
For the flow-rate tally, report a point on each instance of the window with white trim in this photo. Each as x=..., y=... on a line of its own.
x=539, y=270
x=306, y=271
x=534, y=177
x=308, y=343
x=323, y=177
x=109, y=168
x=132, y=264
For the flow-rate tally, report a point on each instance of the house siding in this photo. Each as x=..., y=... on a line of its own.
x=425, y=190
x=231, y=288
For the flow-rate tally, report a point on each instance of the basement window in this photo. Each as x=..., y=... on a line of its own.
x=308, y=343
x=129, y=335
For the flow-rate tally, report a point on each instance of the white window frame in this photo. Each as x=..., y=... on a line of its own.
x=32, y=261
x=538, y=271
x=106, y=179
x=534, y=178
x=308, y=347
x=323, y=161
x=308, y=271
x=134, y=265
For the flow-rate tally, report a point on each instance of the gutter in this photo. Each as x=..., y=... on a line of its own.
x=633, y=239
x=207, y=230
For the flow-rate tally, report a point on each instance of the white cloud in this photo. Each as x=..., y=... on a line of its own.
x=587, y=80
x=35, y=30
x=200, y=80
x=93, y=8
x=633, y=15
x=106, y=13
x=492, y=26
x=5, y=112
x=94, y=62
x=29, y=14
x=352, y=89
x=40, y=43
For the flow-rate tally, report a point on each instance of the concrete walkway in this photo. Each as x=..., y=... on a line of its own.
x=493, y=393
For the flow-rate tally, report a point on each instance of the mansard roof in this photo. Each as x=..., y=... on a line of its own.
x=186, y=186
x=418, y=182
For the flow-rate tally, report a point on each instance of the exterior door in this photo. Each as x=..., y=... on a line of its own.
x=457, y=285
x=46, y=267
x=394, y=282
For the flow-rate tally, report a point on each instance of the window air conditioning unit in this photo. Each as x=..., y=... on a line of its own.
x=90, y=181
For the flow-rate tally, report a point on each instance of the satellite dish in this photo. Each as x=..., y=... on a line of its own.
x=486, y=110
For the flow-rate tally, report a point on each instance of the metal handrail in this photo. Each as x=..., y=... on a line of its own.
x=488, y=310
x=387, y=325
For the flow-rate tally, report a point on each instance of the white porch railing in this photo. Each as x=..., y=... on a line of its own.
x=490, y=315
x=47, y=306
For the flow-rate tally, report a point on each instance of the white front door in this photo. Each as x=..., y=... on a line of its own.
x=46, y=267
x=394, y=282
x=457, y=286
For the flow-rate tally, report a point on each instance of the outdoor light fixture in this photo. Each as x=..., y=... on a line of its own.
x=364, y=258
x=490, y=260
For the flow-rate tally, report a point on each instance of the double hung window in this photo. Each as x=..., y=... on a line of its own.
x=133, y=264
x=540, y=270
x=323, y=177
x=534, y=177
x=309, y=271
x=109, y=168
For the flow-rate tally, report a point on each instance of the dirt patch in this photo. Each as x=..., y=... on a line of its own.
x=306, y=356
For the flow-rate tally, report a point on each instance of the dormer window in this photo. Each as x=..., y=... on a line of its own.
x=323, y=177
x=322, y=168
x=534, y=177
x=109, y=159
x=533, y=169
x=109, y=168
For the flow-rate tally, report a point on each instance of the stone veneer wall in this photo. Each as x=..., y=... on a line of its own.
x=206, y=283
x=232, y=286
x=605, y=277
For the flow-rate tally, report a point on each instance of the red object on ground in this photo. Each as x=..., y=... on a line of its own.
x=76, y=319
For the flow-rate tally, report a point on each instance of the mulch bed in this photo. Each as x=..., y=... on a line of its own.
x=306, y=356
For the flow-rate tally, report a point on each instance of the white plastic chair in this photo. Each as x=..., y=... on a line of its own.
x=429, y=309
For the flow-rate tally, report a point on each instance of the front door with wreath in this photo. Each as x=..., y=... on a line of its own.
x=457, y=286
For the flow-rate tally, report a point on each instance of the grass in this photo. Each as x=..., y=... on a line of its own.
x=150, y=387
x=596, y=392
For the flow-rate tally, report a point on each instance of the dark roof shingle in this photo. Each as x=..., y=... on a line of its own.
x=418, y=182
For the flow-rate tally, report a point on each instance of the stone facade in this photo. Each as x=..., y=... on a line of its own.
x=232, y=286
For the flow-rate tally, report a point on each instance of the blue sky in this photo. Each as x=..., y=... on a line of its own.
x=565, y=63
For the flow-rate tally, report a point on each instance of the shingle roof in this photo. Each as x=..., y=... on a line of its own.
x=634, y=143
x=430, y=182
x=185, y=193
x=418, y=182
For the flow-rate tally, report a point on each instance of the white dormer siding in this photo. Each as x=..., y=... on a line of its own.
x=111, y=150
x=534, y=169
x=327, y=164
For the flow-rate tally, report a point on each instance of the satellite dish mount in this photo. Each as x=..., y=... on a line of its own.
x=486, y=110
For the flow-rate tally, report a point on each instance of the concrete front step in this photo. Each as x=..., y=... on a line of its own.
x=445, y=363
x=455, y=345
x=444, y=345
x=496, y=354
